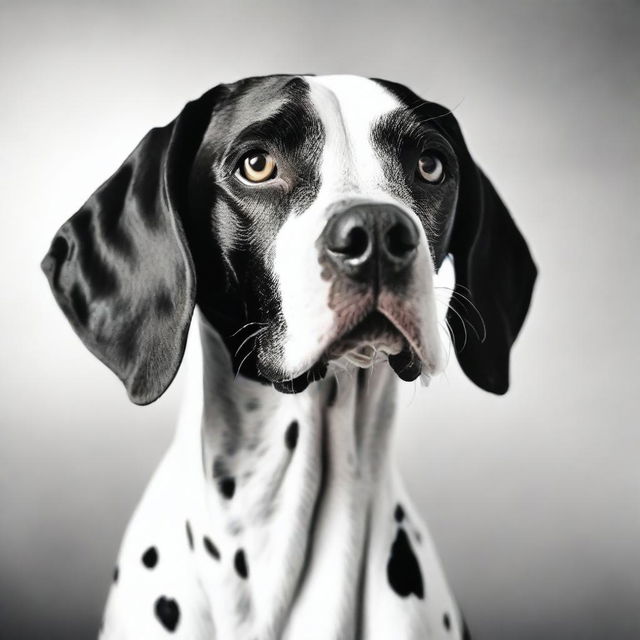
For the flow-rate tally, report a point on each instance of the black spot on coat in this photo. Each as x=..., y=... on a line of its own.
x=291, y=435
x=240, y=564
x=116, y=574
x=150, y=558
x=168, y=612
x=211, y=548
x=189, y=535
x=399, y=513
x=227, y=487
x=333, y=392
x=446, y=621
x=403, y=570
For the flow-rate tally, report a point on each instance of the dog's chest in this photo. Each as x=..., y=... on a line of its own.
x=280, y=516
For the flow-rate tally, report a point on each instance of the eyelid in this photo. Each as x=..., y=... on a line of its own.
x=434, y=142
x=237, y=149
x=436, y=153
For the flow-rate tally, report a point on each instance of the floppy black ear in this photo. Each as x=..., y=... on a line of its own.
x=120, y=268
x=495, y=274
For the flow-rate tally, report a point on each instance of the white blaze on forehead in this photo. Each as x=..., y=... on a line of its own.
x=349, y=107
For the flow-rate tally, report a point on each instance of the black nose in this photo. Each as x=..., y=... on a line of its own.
x=369, y=237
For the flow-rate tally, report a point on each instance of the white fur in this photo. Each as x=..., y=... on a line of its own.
x=317, y=561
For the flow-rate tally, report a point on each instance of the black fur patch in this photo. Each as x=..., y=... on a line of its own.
x=291, y=435
x=446, y=621
x=296, y=385
x=399, y=513
x=189, y=535
x=150, y=558
x=227, y=487
x=333, y=392
x=116, y=574
x=403, y=570
x=211, y=548
x=168, y=612
x=240, y=564
x=231, y=226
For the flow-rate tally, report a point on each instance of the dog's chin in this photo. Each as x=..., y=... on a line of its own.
x=373, y=339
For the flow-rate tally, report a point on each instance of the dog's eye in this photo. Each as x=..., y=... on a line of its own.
x=257, y=166
x=430, y=168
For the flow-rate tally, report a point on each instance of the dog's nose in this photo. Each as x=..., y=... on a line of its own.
x=368, y=237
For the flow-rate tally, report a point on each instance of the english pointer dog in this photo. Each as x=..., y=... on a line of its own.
x=308, y=219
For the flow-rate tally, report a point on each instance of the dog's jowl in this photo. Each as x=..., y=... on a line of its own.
x=308, y=218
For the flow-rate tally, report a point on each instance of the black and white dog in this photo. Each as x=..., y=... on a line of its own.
x=308, y=217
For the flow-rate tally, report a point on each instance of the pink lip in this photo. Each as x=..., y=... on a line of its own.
x=402, y=314
x=358, y=313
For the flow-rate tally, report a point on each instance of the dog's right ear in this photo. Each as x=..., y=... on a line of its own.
x=120, y=268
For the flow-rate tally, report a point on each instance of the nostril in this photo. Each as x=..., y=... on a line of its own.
x=400, y=240
x=353, y=244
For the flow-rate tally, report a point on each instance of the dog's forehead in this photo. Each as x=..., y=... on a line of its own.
x=345, y=105
x=350, y=109
x=352, y=103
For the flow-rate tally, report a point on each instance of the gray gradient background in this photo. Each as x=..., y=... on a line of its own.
x=533, y=498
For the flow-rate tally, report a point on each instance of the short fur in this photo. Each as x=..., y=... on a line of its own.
x=277, y=511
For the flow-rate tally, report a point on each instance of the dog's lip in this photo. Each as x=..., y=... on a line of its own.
x=389, y=329
x=374, y=332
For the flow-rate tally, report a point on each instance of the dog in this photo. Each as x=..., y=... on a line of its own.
x=308, y=218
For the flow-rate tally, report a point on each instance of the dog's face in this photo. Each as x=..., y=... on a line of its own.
x=313, y=214
x=329, y=200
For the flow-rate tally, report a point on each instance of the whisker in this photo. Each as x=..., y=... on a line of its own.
x=253, y=335
x=242, y=362
x=442, y=115
x=245, y=326
x=461, y=297
x=465, y=319
x=473, y=306
x=464, y=326
x=448, y=324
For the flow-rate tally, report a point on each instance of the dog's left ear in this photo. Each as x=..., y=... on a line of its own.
x=120, y=268
x=495, y=272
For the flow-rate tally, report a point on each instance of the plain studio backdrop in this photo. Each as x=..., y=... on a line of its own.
x=533, y=498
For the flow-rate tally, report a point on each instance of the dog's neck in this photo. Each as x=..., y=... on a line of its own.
x=295, y=481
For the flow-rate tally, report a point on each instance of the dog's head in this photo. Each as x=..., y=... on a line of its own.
x=307, y=217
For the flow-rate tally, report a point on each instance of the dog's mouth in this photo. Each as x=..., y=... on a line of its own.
x=387, y=329
x=374, y=338
x=373, y=335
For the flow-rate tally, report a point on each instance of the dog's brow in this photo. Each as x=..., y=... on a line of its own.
x=403, y=122
x=285, y=128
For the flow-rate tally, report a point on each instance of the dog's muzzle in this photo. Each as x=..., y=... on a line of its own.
x=369, y=241
x=368, y=251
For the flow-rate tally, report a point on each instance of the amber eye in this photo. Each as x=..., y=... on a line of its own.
x=430, y=168
x=257, y=166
